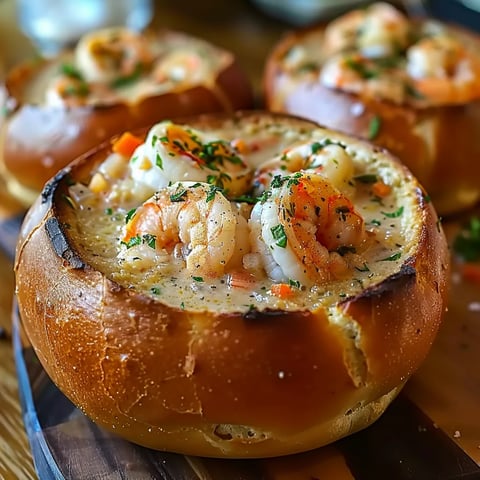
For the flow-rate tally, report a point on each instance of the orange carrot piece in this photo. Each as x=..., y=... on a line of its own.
x=241, y=280
x=281, y=290
x=240, y=145
x=381, y=189
x=126, y=144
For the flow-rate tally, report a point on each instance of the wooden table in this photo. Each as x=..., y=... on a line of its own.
x=447, y=387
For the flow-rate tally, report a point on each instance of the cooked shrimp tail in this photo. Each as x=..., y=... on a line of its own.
x=188, y=219
x=304, y=228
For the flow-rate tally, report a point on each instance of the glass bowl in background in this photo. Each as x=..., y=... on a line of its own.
x=56, y=24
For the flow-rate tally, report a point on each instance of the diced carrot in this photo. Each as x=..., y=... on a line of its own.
x=281, y=290
x=381, y=189
x=241, y=280
x=126, y=144
x=240, y=145
x=471, y=272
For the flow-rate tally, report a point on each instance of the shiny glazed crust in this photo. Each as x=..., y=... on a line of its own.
x=247, y=384
x=437, y=144
x=38, y=140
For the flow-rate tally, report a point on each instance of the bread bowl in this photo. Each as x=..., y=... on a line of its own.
x=409, y=85
x=177, y=315
x=114, y=79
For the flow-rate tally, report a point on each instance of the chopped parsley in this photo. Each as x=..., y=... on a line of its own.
x=71, y=71
x=211, y=193
x=130, y=214
x=411, y=91
x=395, y=214
x=294, y=283
x=366, y=178
x=374, y=127
x=147, y=239
x=363, y=268
x=179, y=195
x=391, y=258
x=79, y=90
x=198, y=279
x=127, y=80
x=359, y=67
x=133, y=241
x=279, y=235
x=159, y=161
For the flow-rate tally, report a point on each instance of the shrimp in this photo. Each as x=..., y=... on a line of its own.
x=191, y=220
x=113, y=54
x=182, y=66
x=172, y=152
x=377, y=31
x=324, y=157
x=67, y=90
x=351, y=72
x=305, y=229
x=443, y=70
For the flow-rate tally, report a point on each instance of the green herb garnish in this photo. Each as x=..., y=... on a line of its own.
x=360, y=68
x=71, y=71
x=395, y=214
x=133, y=241
x=179, y=195
x=279, y=235
x=126, y=80
x=159, y=161
x=367, y=178
x=374, y=127
x=130, y=214
x=149, y=239
x=391, y=258
x=294, y=283
x=363, y=268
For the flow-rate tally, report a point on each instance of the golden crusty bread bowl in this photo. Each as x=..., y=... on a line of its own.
x=268, y=321
x=412, y=86
x=113, y=80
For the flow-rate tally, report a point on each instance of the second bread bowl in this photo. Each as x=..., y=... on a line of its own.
x=409, y=85
x=114, y=79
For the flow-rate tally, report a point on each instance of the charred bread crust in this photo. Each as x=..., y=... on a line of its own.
x=64, y=133
x=436, y=143
x=252, y=383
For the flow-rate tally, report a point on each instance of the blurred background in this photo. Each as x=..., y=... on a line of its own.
x=30, y=27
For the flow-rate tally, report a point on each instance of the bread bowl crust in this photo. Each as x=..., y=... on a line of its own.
x=436, y=143
x=38, y=140
x=246, y=384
